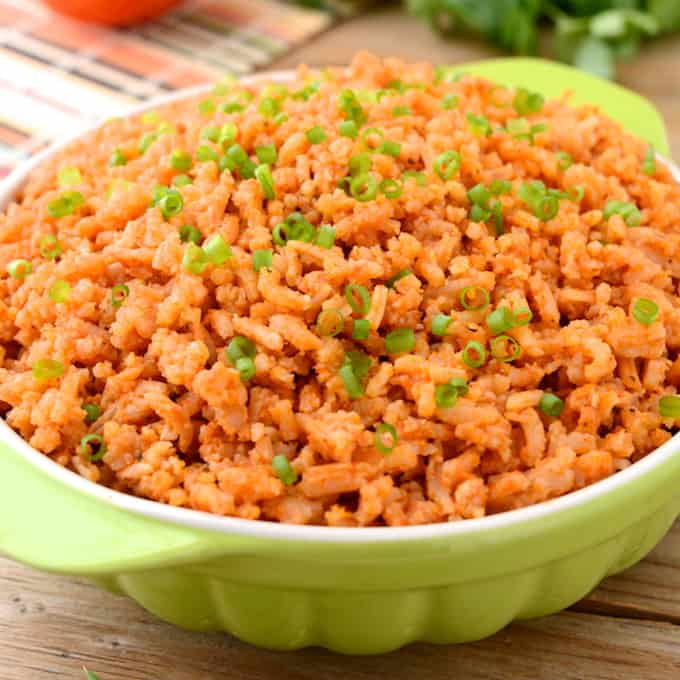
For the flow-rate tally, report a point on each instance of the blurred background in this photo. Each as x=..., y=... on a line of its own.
x=65, y=63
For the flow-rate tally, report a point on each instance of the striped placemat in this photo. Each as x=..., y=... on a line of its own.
x=57, y=74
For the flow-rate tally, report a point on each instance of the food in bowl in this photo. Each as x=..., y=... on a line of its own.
x=383, y=295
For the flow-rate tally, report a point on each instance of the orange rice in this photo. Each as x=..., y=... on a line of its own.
x=181, y=426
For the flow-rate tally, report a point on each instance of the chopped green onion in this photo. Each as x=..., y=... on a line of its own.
x=280, y=234
x=359, y=362
x=380, y=432
x=363, y=188
x=330, y=322
x=543, y=203
x=389, y=148
x=500, y=186
x=263, y=174
x=237, y=154
x=351, y=382
x=479, y=195
x=204, y=154
x=69, y=175
x=195, y=259
x=446, y=395
x=402, y=274
x=59, y=291
x=67, y=203
x=224, y=85
x=165, y=128
x=171, y=203
x=92, y=447
x=649, y=162
x=449, y=101
x=157, y=193
x=576, y=193
x=190, y=234
x=49, y=247
x=440, y=324
x=645, y=311
x=232, y=107
x=500, y=320
x=359, y=164
x=262, y=259
x=150, y=117
x=19, y=269
x=92, y=412
x=246, y=368
x=348, y=128
x=307, y=91
x=370, y=132
x=361, y=329
x=284, y=470
x=669, y=406
x=207, y=107
x=316, y=135
x=117, y=158
x=325, y=237
x=522, y=317
x=505, y=348
x=266, y=154
x=239, y=347
x=564, y=160
x=119, y=293
x=46, y=369
x=479, y=125
x=419, y=177
x=401, y=111
x=298, y=229
x=474, y=354
x=146, y=140
x=181, y=180
x=526, y=102
x=211, y=133
x=269, y=107
x=358, y=298
x=391, y=188
x=350, y=106
x=447, y=164
x=228, y=133
x=551, y=405
x=225, y=163
x=247, y=170
x=400, y=340
x=474, y=298
x=181, y=160
x=217, y=249
x=628, y=211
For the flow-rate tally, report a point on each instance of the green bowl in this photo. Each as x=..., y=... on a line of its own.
x=357, y=591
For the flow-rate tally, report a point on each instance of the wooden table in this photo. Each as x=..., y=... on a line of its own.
x=628, y=628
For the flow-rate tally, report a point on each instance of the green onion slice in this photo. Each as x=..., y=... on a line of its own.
x=419, y=177
x=239, y=347
x=358, y=298
x=171, y=203
x=19, y=269
x=266, y=154
x=359, y=164
x=391, y=188
x=316, y=135
x=669, y=406
x=195, y=259
x=49, y=247
x=649, y=162
x=263, y=174
x=389, y=148
x=92, y=412
x=500, y=320
x=119, y=293
x=262, y=259
x=67, y=203
x=245, y=367
x=363, y=188
x=474, y=354
x=69, y=175
x=181, y=180
x=645, y=311
x=361, y=329
x=449, y=101
x=381, y=432
x=479, y=125
x=505, y=348
x=351, y=381
x=330, y=322
x=181, y=160
x=447, y=164
x=325, y=237
x=402, y=274
x=117, y=158
x=564, y=160
x=526, y=102
x=190, y=234
x=474, y=298
x=628, y=211
x=92, y=447
x=348, y=128
x=59, y=291
x=400, y=340
x=440, y=324
x=217, y=250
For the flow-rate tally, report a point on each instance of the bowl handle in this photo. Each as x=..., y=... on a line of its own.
x=637, y=114
x=49, y=524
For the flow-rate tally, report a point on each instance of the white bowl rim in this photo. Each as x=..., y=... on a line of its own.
x=196, y=519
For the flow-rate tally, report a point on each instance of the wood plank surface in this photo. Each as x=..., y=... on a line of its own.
x=628, y=628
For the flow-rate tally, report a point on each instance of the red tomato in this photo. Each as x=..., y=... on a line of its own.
x=112, y=12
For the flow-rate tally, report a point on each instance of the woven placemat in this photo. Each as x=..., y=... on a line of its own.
x=57, y=74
